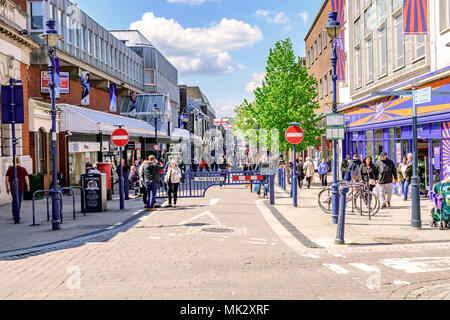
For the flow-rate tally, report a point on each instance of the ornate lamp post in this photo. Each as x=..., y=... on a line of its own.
x=51, y=39
x=334, y=29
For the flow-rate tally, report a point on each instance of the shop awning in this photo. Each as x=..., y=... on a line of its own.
x=83, y=120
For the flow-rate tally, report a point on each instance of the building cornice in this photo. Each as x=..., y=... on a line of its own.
x=15, y=35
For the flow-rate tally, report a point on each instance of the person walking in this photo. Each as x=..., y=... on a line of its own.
x=22, y=176
x=323, y=172
x=300, y=173
x=386, y=170
x=172, y=178
x=142, y=182
x=263, y=167
x=405, y=174
x=368, y=173
x=308, y=169
x=344, y=166
x=152, y=180
x=133, y=180
x=353, y=168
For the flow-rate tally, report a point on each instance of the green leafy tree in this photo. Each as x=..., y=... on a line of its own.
x=287, y=95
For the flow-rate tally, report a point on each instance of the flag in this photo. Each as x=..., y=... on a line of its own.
x=133, y=103
x=112, y=98
x=85, y=88
x=57, y=84
x=339, y=7
x=221, y=122
x=415, y=16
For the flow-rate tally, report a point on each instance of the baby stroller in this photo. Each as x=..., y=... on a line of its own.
x=441, y=212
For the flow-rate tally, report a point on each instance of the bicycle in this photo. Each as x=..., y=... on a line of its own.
x=365, y=201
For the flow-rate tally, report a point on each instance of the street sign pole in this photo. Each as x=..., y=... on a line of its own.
x=294, y=177
x=120, y=138
x=415, y=191
x=294, y=135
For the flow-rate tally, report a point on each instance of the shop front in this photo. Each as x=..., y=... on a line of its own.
x=386, y=125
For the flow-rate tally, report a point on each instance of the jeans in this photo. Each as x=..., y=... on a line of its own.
x=17, y=217
x=266, y=189
x=152, y=187
x=324, y=179
x=405, y=188
x=173, y=192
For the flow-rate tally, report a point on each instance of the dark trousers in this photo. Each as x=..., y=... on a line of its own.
x=17, y=216
x=152, y=187
x=144, y=195
x=324, y=180
x=300, y=181
x=173, y=192
x=309, y=179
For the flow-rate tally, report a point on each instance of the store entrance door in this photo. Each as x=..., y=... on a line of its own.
x=424, y=166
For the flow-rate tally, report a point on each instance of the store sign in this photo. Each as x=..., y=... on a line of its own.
x=64, y=81
x=133, y=145
x=75, y=147
x=422, y=95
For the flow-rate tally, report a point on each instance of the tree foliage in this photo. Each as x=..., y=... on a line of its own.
x=287, y=95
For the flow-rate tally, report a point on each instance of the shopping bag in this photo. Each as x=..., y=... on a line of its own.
x=256, y=188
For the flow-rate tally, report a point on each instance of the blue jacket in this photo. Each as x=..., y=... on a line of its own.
x=323, y=168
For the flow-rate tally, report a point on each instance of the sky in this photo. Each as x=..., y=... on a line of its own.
x=219, y=45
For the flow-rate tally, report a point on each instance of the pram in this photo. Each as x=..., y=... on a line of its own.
x=441, y=212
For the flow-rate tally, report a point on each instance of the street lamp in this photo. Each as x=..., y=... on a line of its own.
x=51, y=38
x=156, y=116
x=334, y=29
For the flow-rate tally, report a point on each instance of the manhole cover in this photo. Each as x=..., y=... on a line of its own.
x=195, y=224
x=217, y=230
x=392, y=240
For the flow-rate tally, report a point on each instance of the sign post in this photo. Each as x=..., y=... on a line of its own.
x=120, y=139
x=13, y=112
x=294, y=135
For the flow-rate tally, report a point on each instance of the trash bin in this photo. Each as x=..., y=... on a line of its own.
x=105, y=167
x=94, y=185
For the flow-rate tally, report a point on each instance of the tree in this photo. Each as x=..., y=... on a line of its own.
x=287, y=95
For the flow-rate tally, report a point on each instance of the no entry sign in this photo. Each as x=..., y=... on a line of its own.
x=120, y=138
x=156, y=147
x=294, y=135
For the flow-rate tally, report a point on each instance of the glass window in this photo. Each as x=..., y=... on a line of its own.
x=149, y=77
x=37, y=15
x=444, y=14
x=68, y=29
x=315, y=50
x=357, y=33
x=91, y=42
x=398, y=133
x=83, y=39
x=379, y=134
x=325, y=85
x=41, y=142
x=76, y=34
x=324, y=39
x=331, y=80
x=357, y=67
x=382, y=57
x=381, y=11
x=369, y=20
x=312, y=55
x=357, y=7
x=320, y=88
x=398, y=36
x=396, y=4
x=60, y=23
x=369, y=57
x=420, y=46
x=88, y=42
x=320, y=43
x=95, y=45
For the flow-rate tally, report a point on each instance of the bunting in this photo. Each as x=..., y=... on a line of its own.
x=415, y=17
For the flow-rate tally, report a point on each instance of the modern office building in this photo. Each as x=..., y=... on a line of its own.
x=383, y=58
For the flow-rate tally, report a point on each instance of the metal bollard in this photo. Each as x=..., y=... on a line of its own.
x=272, y=189
x=341, y=223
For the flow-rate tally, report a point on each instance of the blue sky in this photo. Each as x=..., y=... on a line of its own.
x=219, y=45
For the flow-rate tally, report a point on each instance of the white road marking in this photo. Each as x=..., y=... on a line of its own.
x=214, y=201
x=335, y=268
x=310, y=256
x=365, y=267
x=419, y=265
x=206, y=213
x=339, y=255
x=258, y=239
x=154, y=238
x=401, y=283
x=261, y=243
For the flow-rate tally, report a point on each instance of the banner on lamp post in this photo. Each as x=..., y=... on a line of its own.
x=112, y=98
x=85, y=89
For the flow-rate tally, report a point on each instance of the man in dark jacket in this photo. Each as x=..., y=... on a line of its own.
x=386, y=170
x=344, y=166
x=353, y=168
x=152, y=181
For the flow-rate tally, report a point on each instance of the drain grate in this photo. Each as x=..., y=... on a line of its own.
x=217, y=230
x=392, y=240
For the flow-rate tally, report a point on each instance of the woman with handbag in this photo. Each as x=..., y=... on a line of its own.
x=172, y=178
x=368, y=173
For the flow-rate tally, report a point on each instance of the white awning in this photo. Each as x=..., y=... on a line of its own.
x=83, y=120
x=180, y=133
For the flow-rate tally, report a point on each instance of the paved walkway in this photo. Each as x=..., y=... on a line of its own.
x=388, y=226
x=20, y=236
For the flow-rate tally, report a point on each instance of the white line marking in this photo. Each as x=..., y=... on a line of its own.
x=310, y=256
x=401, y=283
x=339, y=255
x=206, y=213
x=365, y=267
x=336, y=268
x=154, y=238
x=261, y=243
x=214, y=201
x=258, y=239
x=419, y=265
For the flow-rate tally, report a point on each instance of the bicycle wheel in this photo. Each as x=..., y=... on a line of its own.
x=324, y=200
x=365, y=202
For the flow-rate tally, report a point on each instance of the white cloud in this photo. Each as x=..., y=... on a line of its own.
x=256, y=81
x=304, y=15
x=273, y=16
x=226, y=110
x=201, y=50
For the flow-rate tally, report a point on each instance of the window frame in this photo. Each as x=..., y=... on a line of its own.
x=371, y=69
x=396, y=39
x=382, y=74
x=358, y=66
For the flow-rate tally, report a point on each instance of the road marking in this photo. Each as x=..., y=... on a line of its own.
x=401, y=283
x=258, y=239
x=419, y=265
x=365, y=267
x=310, y=256
x=339, y=255
x=214, y=201
x=254, y=242
x=154, y=238
x=206, y=213
x=335, y=268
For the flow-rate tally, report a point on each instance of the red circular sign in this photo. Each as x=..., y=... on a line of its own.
x=120, y=137
x=156, y=147
x=294, y=135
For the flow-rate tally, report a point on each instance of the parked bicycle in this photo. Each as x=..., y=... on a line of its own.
x=360, y=196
